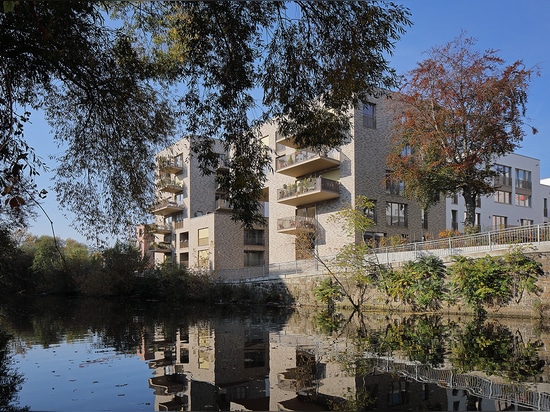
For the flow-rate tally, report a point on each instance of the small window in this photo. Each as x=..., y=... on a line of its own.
x=523, y=200
x=424, y=218
x=500, y=222
x=526, y=222
x=203, y=259
x=203, y=237
x=369, y=115
x=371, y=212
x=502, y=196
x=254, y=237
x=253, y=258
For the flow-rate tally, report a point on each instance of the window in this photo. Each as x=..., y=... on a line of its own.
x=369, y=115
x=254, y=237
x=203, y=259
x=406, y=151
x=393, y=187
x=454, y=219
x=396, y=214
x=253, y=258
x=424, y=218
x=545, y=208
x=478, y=220
x=501, y=196
x=184, y=239
x=371, y=212
x=523, y=200
x=203, y=237
x=478, y=201
x=523, y=179
x=504, y=175
x=454, y=199
x=500, y=222
x=526, y=222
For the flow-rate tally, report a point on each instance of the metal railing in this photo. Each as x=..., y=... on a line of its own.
x=487, y=242
x=477, y=385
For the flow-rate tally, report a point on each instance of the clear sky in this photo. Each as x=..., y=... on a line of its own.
x=519, y=29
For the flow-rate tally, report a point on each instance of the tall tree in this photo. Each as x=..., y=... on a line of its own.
x=458, y=111
x=116, y=92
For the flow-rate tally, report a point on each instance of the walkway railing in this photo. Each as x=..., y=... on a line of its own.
x=474, y=384
x=486, y=242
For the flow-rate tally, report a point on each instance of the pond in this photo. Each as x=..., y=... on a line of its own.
x=101, y=355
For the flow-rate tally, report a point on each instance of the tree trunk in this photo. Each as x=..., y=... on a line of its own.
x=470, y=202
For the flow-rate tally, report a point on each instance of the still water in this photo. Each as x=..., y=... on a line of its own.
x=95, y=355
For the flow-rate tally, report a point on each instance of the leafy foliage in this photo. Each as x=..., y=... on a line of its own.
x=115, y=92
x=493, y=349
x=420, y=284
x=457, y=112
x=493, y=281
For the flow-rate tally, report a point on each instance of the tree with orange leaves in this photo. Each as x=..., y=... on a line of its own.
x=457, y=112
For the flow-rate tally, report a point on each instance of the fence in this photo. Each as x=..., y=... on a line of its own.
x=444, y=248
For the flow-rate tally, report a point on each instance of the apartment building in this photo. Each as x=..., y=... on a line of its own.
x=193, y=225
x=308, y=187
x=192, y=219
x=521, y=198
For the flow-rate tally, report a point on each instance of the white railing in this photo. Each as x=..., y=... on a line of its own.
x=513, y=393
x=458, y=245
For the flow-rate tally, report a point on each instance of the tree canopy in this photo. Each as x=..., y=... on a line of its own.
x=117, y=89
x=457, y=112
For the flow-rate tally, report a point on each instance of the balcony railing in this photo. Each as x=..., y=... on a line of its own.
x=161, y=229
x=167, y=207
x=502, y=181
x=161, y=247
x=308, y=190
x=173, y=165
x=524, y=184
x=296, y=224
x=222, y=204
x=303, y=162
x=171, y=185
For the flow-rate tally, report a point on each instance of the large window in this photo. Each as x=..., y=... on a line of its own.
x=502, y=196
x=396, y=214
x=504, y=175
x=523, y=179
x=454, y=219
x=393, y=187
x=369, y=115
x=523, y=200
x=203, y=237
x=254, y=237
x=253, y=258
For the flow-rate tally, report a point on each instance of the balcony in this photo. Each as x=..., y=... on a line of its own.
x=174, y=165
x=304, y=162
x=223, y=204
x=161, y=247
x=285, y=140
x=296, y=224
x=160, y=229
x=167, y=207
x=170, y=185
x=309, y=190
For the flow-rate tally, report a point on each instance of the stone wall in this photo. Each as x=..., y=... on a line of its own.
x=300, y=292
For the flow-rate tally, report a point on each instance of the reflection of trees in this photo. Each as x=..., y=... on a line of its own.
x=10, y=380
x=494, y=349
x=420, y=338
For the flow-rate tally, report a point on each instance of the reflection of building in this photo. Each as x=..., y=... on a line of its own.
x=235, y=364
x=209, y=365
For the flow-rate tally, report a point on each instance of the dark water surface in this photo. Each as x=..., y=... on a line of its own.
x=100, y=355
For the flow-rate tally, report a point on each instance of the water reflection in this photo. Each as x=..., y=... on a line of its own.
x=227, y=358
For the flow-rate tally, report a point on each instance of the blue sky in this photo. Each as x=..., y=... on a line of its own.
x=518, y=29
